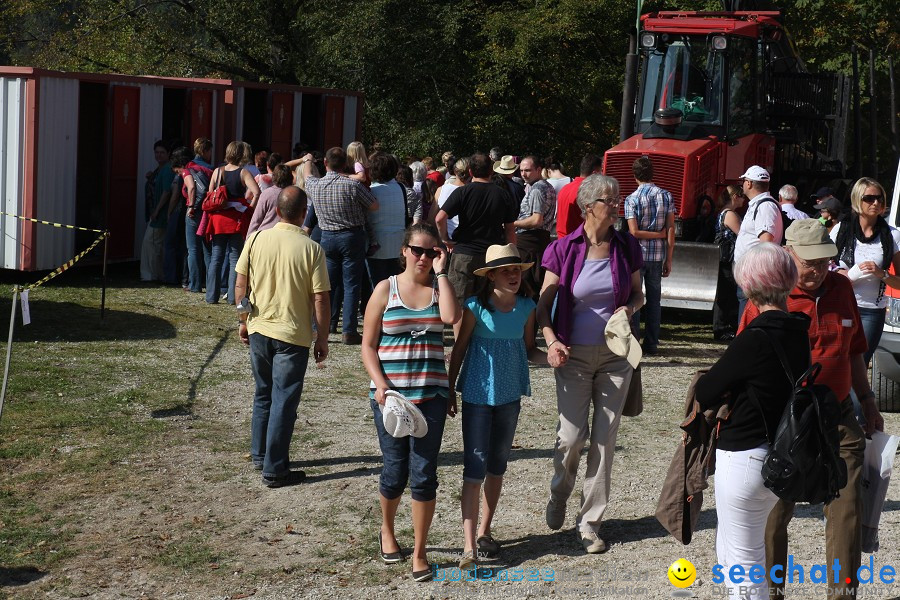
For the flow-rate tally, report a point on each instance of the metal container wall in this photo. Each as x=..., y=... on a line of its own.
x=148, y=132
x=350, y=133
x=12, y=165
x=56, y=170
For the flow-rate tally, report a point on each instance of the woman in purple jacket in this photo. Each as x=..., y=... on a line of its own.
x=591, y=273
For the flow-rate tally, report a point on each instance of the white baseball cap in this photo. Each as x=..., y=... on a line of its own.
x=755, y=173
x=401, y=417
x=621, y=341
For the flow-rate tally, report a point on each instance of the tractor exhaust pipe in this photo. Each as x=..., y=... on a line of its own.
x=629, y=90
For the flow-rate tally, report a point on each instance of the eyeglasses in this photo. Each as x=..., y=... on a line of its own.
x=419, y=251
x=609, y=201
x=873, y=198
x=815, y=265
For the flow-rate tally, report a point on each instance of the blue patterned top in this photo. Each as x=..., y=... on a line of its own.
x=495, y=370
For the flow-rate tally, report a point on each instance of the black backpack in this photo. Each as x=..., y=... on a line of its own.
x=803, y=463
x=785, y=220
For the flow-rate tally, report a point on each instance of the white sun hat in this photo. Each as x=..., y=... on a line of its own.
x=401, y=417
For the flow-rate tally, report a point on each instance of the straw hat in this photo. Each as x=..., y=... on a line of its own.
x=506, y=165
x=401, y=417
x=502, y=256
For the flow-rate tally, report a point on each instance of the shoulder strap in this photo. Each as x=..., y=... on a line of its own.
x=767, y=199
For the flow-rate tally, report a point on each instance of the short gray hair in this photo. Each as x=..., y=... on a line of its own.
x=418, y=169
x=596, y=186
x=788, y=193
x=766, y=274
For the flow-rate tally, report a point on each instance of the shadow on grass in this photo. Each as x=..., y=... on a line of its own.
x=19, y=575
x=186, y=409
x=70, y=322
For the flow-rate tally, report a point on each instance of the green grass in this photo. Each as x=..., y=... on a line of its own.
x=186, y=555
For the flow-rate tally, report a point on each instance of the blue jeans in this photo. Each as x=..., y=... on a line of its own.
x=410, y=458
x=198, y=253
x=651, y=274
x=223, y=244
x=279, y=369
x=173, y=251
x=345, y=257
x=487, y=438
x=872, y=324
x=742, y=303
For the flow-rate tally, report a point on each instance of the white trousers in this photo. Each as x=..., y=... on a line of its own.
x=743, y=504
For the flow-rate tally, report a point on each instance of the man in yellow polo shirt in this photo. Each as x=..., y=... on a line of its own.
x=288, y=282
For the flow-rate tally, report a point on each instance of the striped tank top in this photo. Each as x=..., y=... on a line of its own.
x=411, y=350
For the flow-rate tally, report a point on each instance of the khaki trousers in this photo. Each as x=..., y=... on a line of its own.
x=593, y=376
x=842, y=518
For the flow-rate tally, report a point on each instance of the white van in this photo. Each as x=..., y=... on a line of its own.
x=886, y=362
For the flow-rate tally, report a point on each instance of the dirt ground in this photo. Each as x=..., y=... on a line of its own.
x=189, y=518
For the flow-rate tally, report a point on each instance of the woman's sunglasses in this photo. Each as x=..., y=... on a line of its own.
x=873, y=198
x=419, y=251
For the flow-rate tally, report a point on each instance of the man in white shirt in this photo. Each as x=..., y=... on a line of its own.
x=762, y=223
x=787, y=197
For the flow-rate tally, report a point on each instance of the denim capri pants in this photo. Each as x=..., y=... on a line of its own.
x=410, y=458
x=487, y=438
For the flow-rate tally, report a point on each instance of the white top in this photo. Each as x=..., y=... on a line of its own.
x=767, y=220
x=453, y=222
x=793, y=212
x=867, y=287
x=558, y=182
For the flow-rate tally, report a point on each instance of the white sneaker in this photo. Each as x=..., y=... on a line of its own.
x=592, y=542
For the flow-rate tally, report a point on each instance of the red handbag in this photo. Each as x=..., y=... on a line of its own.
x=216, y=198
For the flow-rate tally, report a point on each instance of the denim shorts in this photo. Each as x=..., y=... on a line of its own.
x=409, y=458
x=487, y=438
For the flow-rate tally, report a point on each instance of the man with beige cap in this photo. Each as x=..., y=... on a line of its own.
x=837, y=342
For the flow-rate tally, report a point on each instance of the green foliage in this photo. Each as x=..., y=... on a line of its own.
x=543, y=76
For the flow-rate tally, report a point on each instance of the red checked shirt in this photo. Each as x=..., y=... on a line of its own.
x=836, y=332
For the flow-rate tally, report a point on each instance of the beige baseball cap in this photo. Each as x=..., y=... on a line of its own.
x=809, y=239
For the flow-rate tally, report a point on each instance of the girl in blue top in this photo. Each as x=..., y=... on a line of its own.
x=496, y=339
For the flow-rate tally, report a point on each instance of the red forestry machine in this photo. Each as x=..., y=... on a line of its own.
x=708, y=94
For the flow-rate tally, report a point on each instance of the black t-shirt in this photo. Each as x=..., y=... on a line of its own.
x=750, y=361
x=483, y=209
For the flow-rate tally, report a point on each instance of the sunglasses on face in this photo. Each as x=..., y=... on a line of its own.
x=873, y=198
x=419, y=251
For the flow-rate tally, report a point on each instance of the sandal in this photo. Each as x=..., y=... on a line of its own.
x=389, y=558
x=467, y=562
x=488, y=545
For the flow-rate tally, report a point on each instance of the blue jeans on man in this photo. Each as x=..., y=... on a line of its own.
x=345, y=258
x=279, y=369
x=651, y=274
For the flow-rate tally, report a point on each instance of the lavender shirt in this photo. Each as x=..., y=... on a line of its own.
x=593, y=294
x=565, y=257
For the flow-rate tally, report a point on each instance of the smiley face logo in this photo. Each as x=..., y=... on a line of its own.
x=682, y=573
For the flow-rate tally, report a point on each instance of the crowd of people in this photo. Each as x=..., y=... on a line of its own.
x=503, y=249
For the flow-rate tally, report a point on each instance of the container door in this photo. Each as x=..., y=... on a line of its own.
x=282, y=123
x=120, y=210
x=334, y=121
x=200, y=118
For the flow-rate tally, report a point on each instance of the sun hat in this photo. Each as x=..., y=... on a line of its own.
x=809, y=239
x=755, y=173
x=401, y=417
x=502, y=256
x=506, y=165
x=621, y=341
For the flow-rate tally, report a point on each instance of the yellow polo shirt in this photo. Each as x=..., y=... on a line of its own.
x=284, y=268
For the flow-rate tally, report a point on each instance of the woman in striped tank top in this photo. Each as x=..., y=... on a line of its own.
x=403, y=350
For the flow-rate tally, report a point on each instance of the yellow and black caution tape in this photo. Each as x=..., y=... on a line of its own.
x=52, y=224
x=103, y=235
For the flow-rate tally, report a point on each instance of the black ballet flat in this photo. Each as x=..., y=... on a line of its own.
x=389, y=558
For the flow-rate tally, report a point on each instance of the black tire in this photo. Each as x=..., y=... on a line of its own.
x=887, y=391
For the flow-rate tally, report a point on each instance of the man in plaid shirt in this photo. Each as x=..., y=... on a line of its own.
x=650, y=212
x=342, y=206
